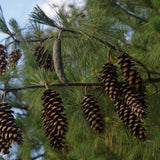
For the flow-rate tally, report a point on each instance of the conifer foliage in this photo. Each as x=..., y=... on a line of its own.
x=54, y=120
x=92, y=113
x=9, y=131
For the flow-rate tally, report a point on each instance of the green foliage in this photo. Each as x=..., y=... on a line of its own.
x=133, y=26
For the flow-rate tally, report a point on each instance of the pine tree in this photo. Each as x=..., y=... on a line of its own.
x=130, y=30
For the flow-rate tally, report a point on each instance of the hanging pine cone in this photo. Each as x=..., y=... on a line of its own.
x=132, y=77
x=53, y=117
x=92, y=113
x=131, y=100
x=44, y=58
x=14, y=57
x=3, y=62
x=9, y=131
x=58, y=63
x=110, y=80
x=133, y=124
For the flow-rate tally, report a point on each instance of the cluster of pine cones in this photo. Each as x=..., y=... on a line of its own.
x=9, y=131
x=129, y=102
x=54, y=118
x=128, y=96
x=12, y=58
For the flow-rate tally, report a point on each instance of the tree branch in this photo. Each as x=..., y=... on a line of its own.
x=130, y=14
x=151, y=80
x=41, y=155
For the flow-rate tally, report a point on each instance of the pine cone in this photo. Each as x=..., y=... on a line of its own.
x=44, y=58
x=9, y=131
x=131, y=100
x=14, y=57
x=53, y=117
x=2, y=47
x=4, y=146
x=130, y=120
x=3, y=61
x=110, y=80
x=58, y=63
x=92, y=113
x=132, y=77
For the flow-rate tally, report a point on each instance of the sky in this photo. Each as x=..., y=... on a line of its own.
x=20, y=9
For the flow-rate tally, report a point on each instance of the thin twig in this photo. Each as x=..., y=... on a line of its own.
x=60, y=33
x=108, y=53
x=130, y=14
x=46, y=86
x=41, y=155
x=158, y=90
x=148, y=72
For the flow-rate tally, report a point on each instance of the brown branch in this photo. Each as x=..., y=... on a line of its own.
x=25, y=107
x=108, y=54
x=148, y=72
x=54, y=85
x=151, y=80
